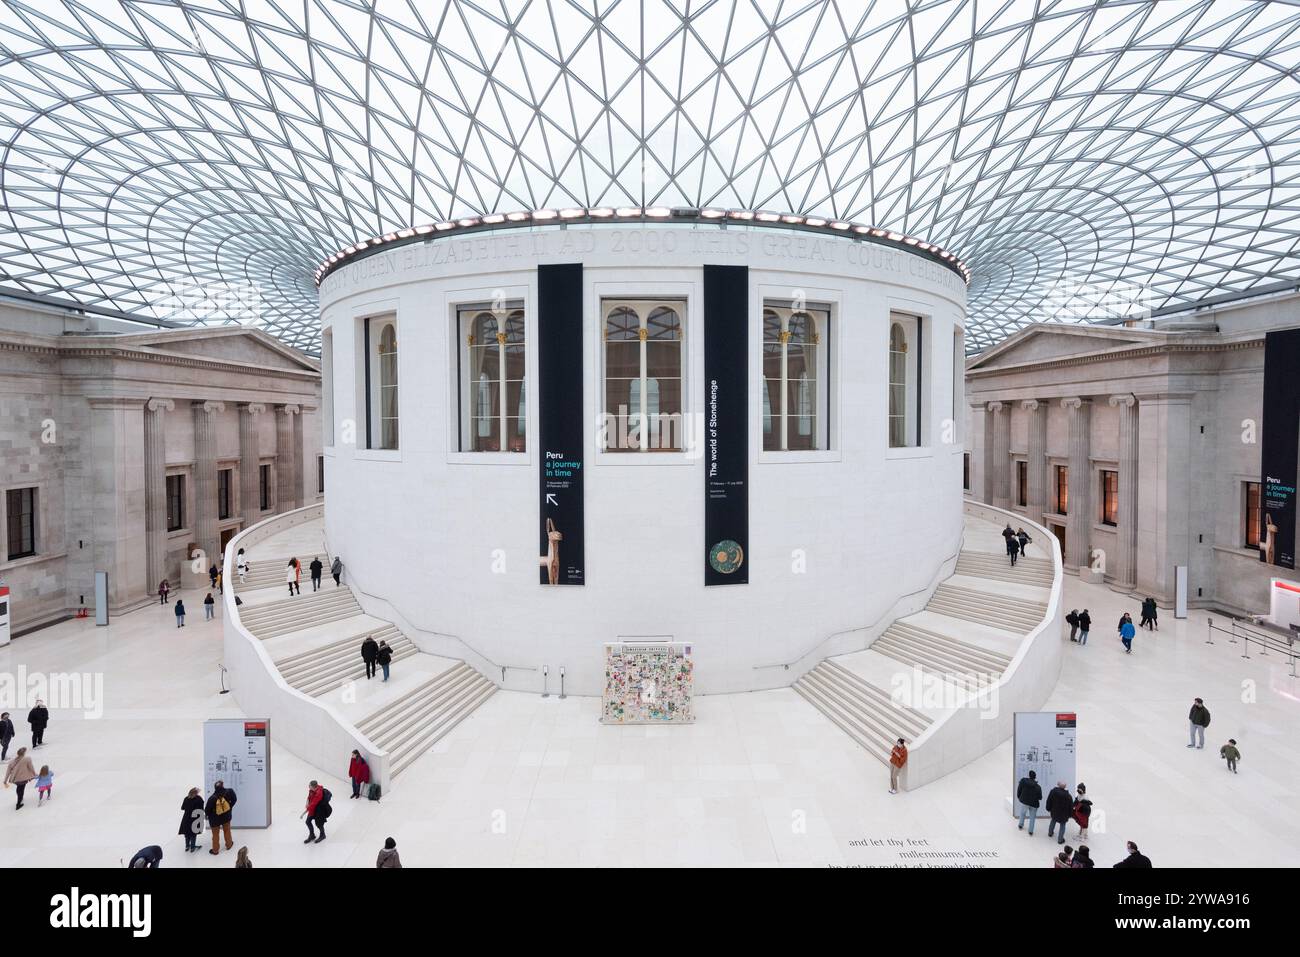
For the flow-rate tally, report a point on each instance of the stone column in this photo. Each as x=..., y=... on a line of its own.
x=1078, y=524
x=116, y=470
x=155, y=489
x=250, y=486
x=1164, y=484
x=299, y=463
x=1124, y=565
x=1036, y=461
x=1001, y=454
x=205, y=479
x=286, y=493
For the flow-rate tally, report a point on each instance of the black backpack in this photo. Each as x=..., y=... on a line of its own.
x=325, y=809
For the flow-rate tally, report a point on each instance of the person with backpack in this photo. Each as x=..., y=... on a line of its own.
x=1023, y=538
x=317, y=811
x=219, y=810
x=1013, y=548
x=179, y=611
x=359, y=772
x=1060, y=806
x=1231, y=753
x=316, y=568
x=191, y=819
x=1072, y=619
x=336, y=569
x=897, y=761
x=1126, y=634
x=384, y=656
x=39, y=719
x=369, y=653
x=1085, y=623
x=1199, y=720
x=1082, y=811
x=1029, y=793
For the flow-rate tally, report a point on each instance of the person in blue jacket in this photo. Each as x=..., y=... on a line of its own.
x=1126, y=633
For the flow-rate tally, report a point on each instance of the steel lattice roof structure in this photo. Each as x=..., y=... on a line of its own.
x=198, y=161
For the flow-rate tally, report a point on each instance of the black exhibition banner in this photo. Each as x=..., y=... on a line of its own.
x=559, y=394
x=1281, y=443
x=726, y=432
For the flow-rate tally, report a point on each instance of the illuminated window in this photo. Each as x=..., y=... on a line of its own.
x=1252, y=515
x=492, y=360
x=1062, y=489
x=796, y=408
x=642, y=394
x=1109, y=497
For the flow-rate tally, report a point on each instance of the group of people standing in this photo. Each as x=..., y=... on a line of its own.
x=20, y=771
x=1017, y=542
x=376, y=653
x=1080, y=623
x=293, y=574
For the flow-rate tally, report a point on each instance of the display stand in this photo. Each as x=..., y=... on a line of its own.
x=648, y=681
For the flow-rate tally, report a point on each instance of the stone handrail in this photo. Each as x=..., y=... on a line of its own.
x=966, y=733
x=310, y=728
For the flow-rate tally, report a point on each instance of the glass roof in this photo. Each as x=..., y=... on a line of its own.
x=196, y=162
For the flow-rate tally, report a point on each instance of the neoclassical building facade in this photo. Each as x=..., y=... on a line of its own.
x=127, y=451
x=1138, y=446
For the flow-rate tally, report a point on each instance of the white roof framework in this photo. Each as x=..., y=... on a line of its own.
x=197, y=161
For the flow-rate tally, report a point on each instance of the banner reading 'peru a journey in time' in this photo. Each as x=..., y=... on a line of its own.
x=1281, y=442
x=559, y=393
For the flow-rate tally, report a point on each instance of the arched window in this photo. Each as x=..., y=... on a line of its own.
x=381, y=411
x=643, y=375
x=905, y=390
x=492, y=361
x=795, y=390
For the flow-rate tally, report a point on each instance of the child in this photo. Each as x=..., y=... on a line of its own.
x=44, y=785
x=1230, y=754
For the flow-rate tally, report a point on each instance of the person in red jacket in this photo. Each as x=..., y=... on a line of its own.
x=897, y=758
x=317, y=811
x=359, y=772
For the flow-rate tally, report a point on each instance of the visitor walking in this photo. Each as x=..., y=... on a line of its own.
x=242, y=861
x=179, y=611
x=384, y=656
x=1030, y=794
x=1149, y=613
x=1083, y=858
x=44, y=784
x=1135, y=858
x=18, y=773
x=241, y=566
x=358, y=772
x=1082, y=810
x=369, y=652
x=1013, y=548
x=1198, y=719
x=291, y=576
x=6, y=735
x=316, y=568
x=1064, y=858
x=897, y=761
x=219, y=810
x=39, y=719
x=1085, y=624
x=336, y=569
x=1072, y=619
x=1231, y=753
x=191, y=819
x=212, y=574
x=388, y=856
x=1023, y=538
x=317, y=811
x=208, y=604
x=221, y=581
x=1060, y=806
x=147, y=857
x=1126, y=634
x=163, y=588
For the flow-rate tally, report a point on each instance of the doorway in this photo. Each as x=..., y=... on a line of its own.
x=1059, y=532
x=226, y=535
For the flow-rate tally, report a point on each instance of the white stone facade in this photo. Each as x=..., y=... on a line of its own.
x=445, y=542
x=1173, y=408
x=94, y=414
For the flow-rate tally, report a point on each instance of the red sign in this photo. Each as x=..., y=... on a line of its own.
x=1283, y=585
x=254, y=729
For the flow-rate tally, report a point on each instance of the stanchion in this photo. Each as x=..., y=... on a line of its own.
x=546, y=673
x=561, y=682
x=1209, y=631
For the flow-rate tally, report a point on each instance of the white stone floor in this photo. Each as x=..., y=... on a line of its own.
x=760, y=779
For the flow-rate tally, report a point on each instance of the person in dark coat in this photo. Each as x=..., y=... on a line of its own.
x=1135, y=858
x=6, y=735
x=1023, y=538
x=191, y=819
x=219, y=810
x=316, y=568
x=317, y=811
x=336, y=569
x=369, y=652
x=150, y=856
x=1060, y=806
x=1149, y=612
x=1013, y=548
x=1085, y=625
x=1199, y=719
x=1082, y=810
x=179, y=610
x=1083, y=858
x=1030, y=794
x=212, y=574
x=385, y=657
x=1072, y=619
x=38, y=718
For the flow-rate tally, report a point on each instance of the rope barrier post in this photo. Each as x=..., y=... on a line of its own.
x=562, y=682
x=1209, y=631
x=546, y=673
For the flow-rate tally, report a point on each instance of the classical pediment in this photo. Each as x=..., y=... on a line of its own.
x=243, y=346
x=1044, y=343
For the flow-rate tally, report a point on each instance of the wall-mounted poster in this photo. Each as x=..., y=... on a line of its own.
x=1279, y=447
x=647, y=681
x=559, y=366
x=1044, y=743
x=237, y=752
x=726, y=425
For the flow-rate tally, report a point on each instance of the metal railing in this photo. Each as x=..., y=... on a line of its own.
x=1266, y=642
